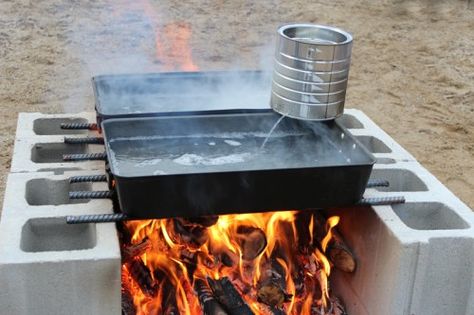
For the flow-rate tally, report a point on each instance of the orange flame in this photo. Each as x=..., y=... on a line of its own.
x=221, y=255
x=170, y=41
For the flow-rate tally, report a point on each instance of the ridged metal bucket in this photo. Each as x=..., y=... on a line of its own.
x=311, y=71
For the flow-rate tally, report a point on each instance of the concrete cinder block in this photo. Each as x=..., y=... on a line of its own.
x=48, y=266
x=45, y=153
x=414, y=258
x=45, y=191
x=38, y=125
x=377, y=141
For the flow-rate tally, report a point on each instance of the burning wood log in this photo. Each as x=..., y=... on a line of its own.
x=337, y=251
x=134, y=250
x=272, y=294
x=228, y=296
x=124, y=234
x=209, y=304
x=142, y=276
x=185, y=232
x=168, y=302
x=271, y=287
x=128, y=307
x=252, y=241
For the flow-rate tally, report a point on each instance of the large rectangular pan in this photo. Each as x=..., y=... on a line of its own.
x=186, y=93
x=203, y=165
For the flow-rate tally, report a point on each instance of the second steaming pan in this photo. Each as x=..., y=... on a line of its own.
x=215, y=164
x=183, y=93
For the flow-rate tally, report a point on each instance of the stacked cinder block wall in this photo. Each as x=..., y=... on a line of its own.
x=415, y=258
x=47, y=266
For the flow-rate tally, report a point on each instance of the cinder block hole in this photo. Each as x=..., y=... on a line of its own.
x=399, y=179
x=43, y=191
x=350, y=122
x=53, y=152
x=429, y=216
x=385, y=161
x=373, y=144
x=54, y=234
x=52, y=126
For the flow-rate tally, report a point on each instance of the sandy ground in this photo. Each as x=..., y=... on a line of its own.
x=412, y=70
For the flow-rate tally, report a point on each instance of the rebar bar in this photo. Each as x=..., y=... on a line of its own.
x=76, y=126
x=96, y=218
x=84, y=140
x=377, y=183
x=98, y=194
x=380, y=201
x=88, y=179
x=85, y=157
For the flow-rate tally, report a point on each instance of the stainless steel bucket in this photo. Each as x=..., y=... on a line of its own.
x=311, y=71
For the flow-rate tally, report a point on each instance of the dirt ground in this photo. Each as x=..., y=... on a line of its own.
x=412, y=68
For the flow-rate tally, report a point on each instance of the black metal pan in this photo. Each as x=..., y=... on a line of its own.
x=203, y=165
x=182, y=93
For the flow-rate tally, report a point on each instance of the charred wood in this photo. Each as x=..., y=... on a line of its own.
x=228, y=296
x=272, y=285
x=124, y=233
x=337, y=251
x=272, y=294
x=128, y=308
x=134, y=250
x=142, y=276
x=252, y=241
x=194, y=235
x=168, y=301
x=209, y=304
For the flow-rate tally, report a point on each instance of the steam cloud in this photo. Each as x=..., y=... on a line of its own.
x=133, y=37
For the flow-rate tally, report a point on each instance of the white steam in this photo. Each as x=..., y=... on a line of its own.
x=132, y=36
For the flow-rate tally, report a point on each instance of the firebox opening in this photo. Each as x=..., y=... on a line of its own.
x=51, y=126
x=43, y=191
x=429, y=216
x=53, y=234
x=260, y=263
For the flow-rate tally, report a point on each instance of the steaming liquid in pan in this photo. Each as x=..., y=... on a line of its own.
x=207, y=144
x=215, y=153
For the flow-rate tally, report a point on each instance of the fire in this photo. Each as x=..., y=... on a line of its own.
x=170, y=41
x=171, y=265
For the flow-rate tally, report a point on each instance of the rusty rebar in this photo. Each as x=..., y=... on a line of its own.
x=377, y=183
x=77, y=126
x=87, y=179
x=97, y=194
x=84, y=140
x=85, y=157
x=381, y=201
x=96, y=218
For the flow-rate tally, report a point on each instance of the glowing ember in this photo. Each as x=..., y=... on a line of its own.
x=208, y=265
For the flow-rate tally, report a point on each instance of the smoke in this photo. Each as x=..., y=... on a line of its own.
x=130, y=37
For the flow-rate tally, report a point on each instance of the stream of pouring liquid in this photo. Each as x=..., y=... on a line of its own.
x=271, y=131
